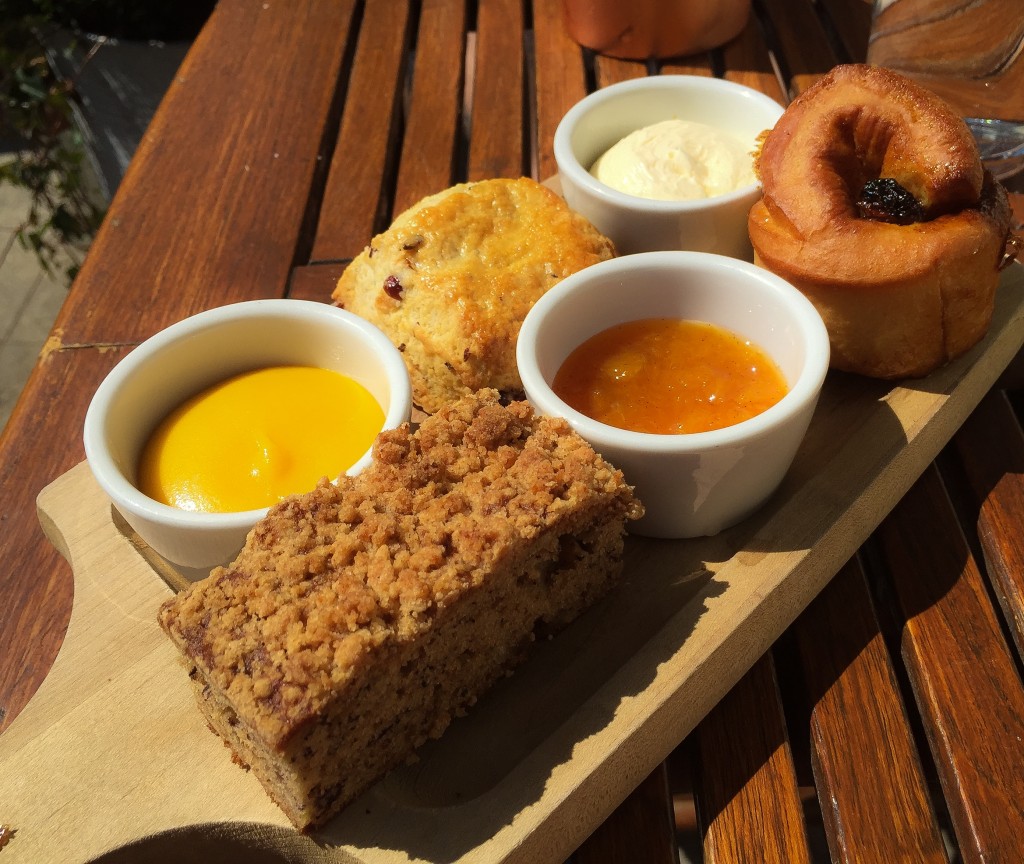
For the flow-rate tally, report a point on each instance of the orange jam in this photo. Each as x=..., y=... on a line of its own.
x=669, y=376
x=258, y=437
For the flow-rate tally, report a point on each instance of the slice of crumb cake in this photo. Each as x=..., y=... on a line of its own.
x=360, y=618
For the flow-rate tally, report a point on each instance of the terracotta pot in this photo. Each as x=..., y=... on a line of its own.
x=654, y=28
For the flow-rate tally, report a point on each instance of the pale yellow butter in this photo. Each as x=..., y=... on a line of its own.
x=676, y=160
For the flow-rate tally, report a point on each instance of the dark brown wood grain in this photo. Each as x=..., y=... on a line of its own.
x=694, y=64
x=354, y=205
x=747, y=61
x=860, y=738
x=315, y=281
x=214, y=204
x=560, y=79
x=991, y=447
x=802, y=42
x=497, y=146
x=610, y=70
x=967, y=688
x=748, y=801
x=851, y=22
x=291, y=134
x=433, y=120
x=641, y=829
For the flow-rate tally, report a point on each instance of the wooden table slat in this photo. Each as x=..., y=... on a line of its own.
x=611, y=70
x=352, y=210
x=214, y=206
x=560, y=79
x=748, y=802
x=966, y=685
x=991, y=447
x=848, y=674
x=748, y=62
x=434, y=115
x=497, y=132
x=315, y=281
x=694, y=64
x=640, y=829
x=852, y=24
x=802, y=42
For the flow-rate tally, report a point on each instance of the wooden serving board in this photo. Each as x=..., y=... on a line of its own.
x=112, y=762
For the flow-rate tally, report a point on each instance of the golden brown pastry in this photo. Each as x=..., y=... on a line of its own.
x=877, y=207
x=362, y=617
x=453, y=277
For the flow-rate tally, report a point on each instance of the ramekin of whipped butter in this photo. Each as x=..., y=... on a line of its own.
x=676, y=160
x=649, y=356
x=666, y=162
x=203, y=426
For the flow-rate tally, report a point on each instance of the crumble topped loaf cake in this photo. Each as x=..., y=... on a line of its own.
x=452, y=279
x=359, y=619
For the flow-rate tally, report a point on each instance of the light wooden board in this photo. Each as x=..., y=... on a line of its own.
x=112, y=761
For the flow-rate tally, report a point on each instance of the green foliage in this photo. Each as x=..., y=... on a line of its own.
x=36, y=117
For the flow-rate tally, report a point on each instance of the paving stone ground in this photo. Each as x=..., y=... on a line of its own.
x=118, y=90
x=29, y=301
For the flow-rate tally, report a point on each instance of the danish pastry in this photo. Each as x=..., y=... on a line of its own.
x=877, y=207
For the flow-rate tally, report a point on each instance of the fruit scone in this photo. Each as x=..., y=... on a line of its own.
x=452, y=279
x=360, y=618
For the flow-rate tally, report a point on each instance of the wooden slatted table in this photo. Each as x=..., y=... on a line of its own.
x=886, y=724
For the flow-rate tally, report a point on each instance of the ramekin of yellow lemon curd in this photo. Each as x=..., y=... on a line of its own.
x=204, y=426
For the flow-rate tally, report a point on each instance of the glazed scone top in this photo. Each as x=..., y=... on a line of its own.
x=327, y=576
x=453, y=277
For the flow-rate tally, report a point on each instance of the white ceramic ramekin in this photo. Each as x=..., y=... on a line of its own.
x=193, y=354
x=595, y=123
x=691, y=484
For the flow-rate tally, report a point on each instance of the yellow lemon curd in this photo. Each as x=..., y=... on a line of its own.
x=258, y=437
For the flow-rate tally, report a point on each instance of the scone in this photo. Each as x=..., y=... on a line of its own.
x=453, y=277
x=360, y=618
